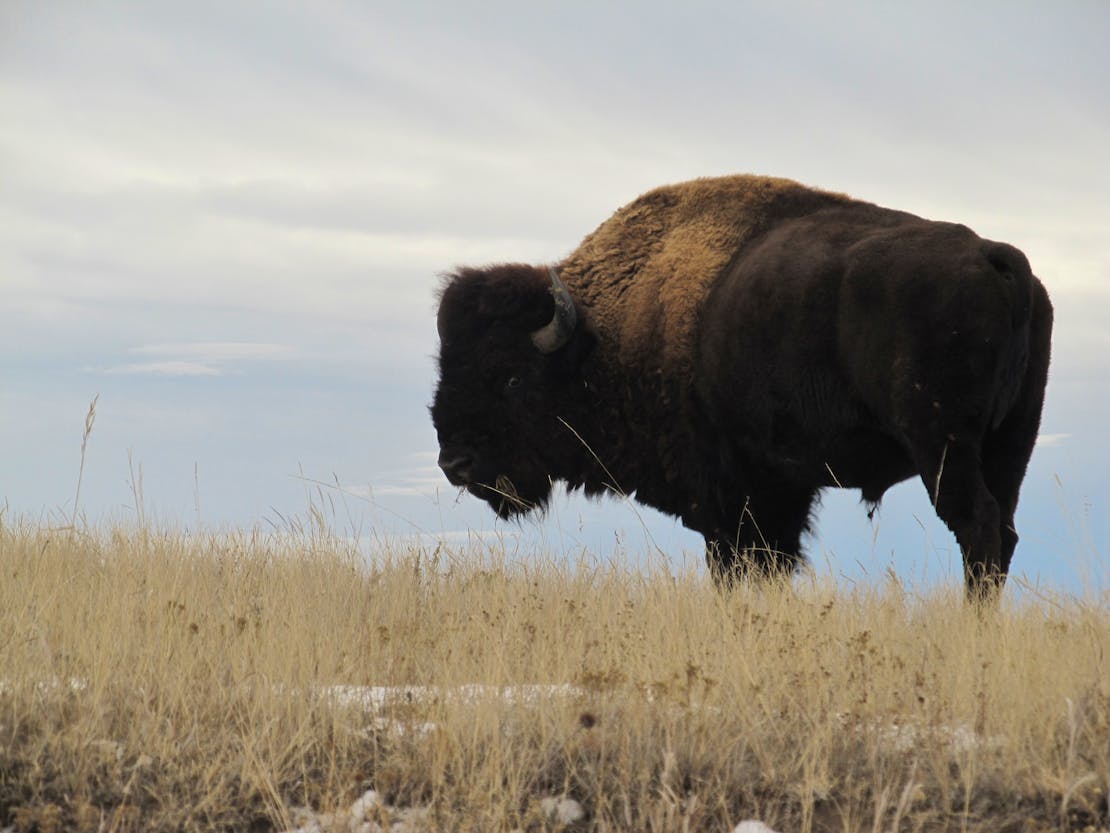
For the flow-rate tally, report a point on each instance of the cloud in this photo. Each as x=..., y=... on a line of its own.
x=217, y=351
x=1049, y=440
x=423, y=482
x=203, y=358
x=166, y=368
x=401, y=491
x=327, y=169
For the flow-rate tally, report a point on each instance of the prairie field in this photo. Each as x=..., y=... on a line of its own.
x=161, y=681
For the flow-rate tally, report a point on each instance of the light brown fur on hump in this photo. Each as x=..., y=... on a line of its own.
x=643, y=274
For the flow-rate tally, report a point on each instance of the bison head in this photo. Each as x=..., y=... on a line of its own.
x=512, y=345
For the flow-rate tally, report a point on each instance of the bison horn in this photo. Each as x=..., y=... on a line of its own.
x=557, y=332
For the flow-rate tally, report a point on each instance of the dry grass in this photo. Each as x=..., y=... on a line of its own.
x=160, y=682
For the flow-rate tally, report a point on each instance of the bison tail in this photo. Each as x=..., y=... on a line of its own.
x=1013, y=268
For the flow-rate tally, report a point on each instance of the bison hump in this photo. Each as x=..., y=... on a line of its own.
x=645, y=272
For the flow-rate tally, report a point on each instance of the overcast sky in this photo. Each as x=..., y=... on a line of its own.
x=228, y=219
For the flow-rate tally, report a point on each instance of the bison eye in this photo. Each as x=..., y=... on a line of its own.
x=513, y=383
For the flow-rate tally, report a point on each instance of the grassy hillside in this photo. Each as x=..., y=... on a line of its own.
x=154, y=681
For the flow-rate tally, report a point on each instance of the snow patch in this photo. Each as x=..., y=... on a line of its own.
x=562, y=809
x=752, y=826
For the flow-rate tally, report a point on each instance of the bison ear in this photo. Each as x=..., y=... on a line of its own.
x=569, y=359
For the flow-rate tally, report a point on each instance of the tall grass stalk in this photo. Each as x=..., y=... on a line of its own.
x=90, y=418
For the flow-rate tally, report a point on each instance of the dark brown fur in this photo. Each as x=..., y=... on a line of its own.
x=743, y=343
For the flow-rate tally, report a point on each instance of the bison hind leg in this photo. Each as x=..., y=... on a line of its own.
x=958, y=491
x=1006, y=454
x=1008, y=447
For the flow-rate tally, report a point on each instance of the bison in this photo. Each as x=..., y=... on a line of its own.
x=726, y=348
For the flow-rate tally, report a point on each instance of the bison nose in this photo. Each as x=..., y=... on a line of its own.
x=456, y=464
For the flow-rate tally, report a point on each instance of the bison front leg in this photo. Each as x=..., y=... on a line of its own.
x=763, y=542
x=731, y=564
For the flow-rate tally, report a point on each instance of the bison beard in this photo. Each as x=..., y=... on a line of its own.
x=726, y=348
